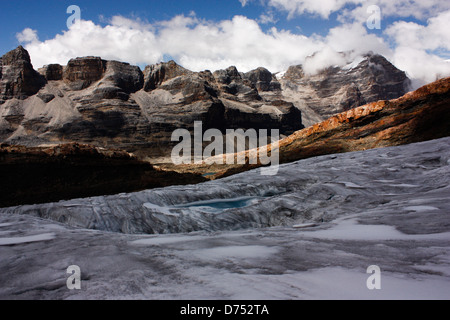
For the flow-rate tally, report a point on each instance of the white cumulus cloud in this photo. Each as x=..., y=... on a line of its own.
x=200, y=44
x=416, y=44
x=194, y=43
x=420, y=9
x=435, y=35
x=298, y=7
x=27, y=35
x=121, y=40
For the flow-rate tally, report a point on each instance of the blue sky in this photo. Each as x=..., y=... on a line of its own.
x=212, y=34
x=49, y=17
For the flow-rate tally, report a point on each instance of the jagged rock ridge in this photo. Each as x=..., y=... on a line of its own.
x=337, y=89
x=18, y=78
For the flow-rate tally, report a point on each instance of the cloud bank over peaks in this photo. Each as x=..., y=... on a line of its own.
x=196, y=44
x=200, y=44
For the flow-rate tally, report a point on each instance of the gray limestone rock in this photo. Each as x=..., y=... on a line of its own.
x=52, y=72
x=18, y=78
x=337, y=89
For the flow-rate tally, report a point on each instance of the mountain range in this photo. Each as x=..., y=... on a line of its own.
x=112, y=104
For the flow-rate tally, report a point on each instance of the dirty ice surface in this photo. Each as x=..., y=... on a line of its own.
x=309, y=232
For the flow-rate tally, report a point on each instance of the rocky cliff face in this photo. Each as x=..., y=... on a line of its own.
x=80, y=73
x=338, y=89
x=52, y=72
x=18, y=79
x=155, y=75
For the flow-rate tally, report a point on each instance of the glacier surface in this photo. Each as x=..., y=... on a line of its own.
x=309, y=232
